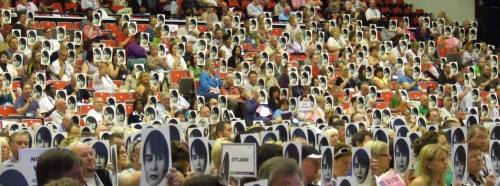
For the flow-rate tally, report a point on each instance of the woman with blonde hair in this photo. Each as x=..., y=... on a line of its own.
x=433, y=164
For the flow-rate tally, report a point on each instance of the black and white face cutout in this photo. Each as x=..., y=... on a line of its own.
x=132, y=28
x=293, y=104
x=253, y=24
x=495, y=155
x=402, y=154
x=6, y=16
x=193, y=23
x=200, y=59
x=43, y=137
x=492, y=97
x=460, y=161
x=109, y=114
x=393, y=25
x=60, y=33
x=96, y=19
x=18, y=60
x=360, y=164
x=107, y=54
x=150, y=113
x=91, y=122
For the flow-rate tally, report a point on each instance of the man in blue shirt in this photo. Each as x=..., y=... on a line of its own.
x=26, y=104
x=407, y=82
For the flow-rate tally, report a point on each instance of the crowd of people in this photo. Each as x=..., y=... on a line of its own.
x=396, y=99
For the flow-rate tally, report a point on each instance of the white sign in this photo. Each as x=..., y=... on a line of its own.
x=242, y=159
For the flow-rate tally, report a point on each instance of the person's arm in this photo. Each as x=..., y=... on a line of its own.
x=464, y=93
x=204, y=81
x=23, y=109
x=59, y=72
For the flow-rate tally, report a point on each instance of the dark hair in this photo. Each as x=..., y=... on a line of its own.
x=203, y=180
x=359, y=137
x=220, y=126
x=268, y=151
x=428, y=137
x=54, y=163
x=180, y=156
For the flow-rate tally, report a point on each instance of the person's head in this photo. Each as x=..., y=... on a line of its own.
x=58, y=163
x=380, y=152
x=340, y=126
x=433, y=116
x=478, y=136
x=474, y=159
x=98, y=104
x=332, y=134
x=61, y=105
x=360, y=138
x=116, y=138
x=17, y=141
x=199, y=156
x=281, y=171
x=267, y=151
x=252, y=78
x=430, y=137
x=73, y=130
x=310, y=163
x=5, y=149
x=342, y=158
x=13, y=43
x=155, y=157
x=433, y=162
x=87, y=156
x=224, y=130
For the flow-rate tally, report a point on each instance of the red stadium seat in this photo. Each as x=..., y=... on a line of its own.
x=16, y=84
x=142, y=27
x=111, y=26
x=247, y=47
x=176, y=75
x=202, y=28
x=419, y=11
x=276, y=32
x=70, y=6
x=67, y=25
x=58, y=84
x=233, y=3
x=415, y=94
x=388, y=2
x=386, y=95
x=85, y=108
x=385, y=10
x=130, y=108
x=8, y=110
x=110, y=43
x=58, y=7
x=116, y=8
x=47, y=24
x=124, y=96
x=103, y=95
x=382, y=105
x=30, y=122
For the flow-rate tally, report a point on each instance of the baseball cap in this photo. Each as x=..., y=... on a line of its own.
x=309, y=151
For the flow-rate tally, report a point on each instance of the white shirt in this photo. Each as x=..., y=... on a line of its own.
x=171, y=60
x=93, y=181
x=227, y=51
x=96, y=115
x=11, y=70
x=57, y=119
x=92, y=4
x=46, y=103
x=103, y=84
x=31, y=6
x=372, y=14
x=56, y=67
